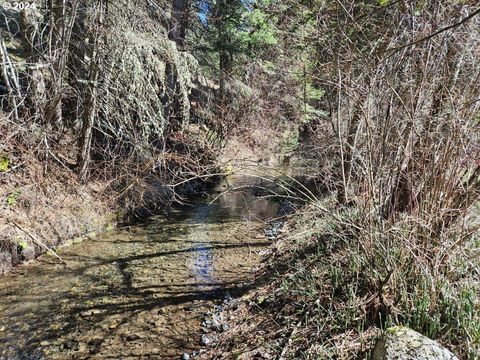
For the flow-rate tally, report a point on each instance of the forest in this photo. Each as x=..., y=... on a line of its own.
x=295, y=179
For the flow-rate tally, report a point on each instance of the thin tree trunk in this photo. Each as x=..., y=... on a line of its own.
x=53, y=110
x=179, y=22
x=90, y=110
x=12, y=84
x=85, y=141
x=171, y=102
x=347, y=162
x=224, y=56
x=35, y=96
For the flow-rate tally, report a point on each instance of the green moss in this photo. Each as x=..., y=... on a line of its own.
x=12, y=198
x=397, y=330
x=4, y=163
x=290, y=140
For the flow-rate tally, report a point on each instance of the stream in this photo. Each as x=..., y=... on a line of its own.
x=137, y=292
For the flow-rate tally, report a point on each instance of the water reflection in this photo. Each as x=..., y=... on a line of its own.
x=202, y=267
x=247, y=198
x=235, y=198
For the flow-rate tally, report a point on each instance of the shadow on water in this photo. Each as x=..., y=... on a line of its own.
x=137, y=292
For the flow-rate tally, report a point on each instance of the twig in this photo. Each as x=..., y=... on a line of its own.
x=454, y=25
x=38, y=242
x=289, y=341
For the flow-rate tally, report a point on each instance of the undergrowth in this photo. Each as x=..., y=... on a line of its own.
x=347, y=280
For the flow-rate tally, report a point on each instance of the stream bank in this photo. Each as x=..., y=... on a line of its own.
x=38, y=212
x=41, y=211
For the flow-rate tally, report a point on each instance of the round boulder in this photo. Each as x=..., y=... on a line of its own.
x=402, y=343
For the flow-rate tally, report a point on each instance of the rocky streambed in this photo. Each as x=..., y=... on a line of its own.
x=138, y=292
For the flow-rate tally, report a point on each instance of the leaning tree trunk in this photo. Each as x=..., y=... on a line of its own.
x=85, y=140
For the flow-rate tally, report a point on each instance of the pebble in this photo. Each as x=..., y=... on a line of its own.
x=228, y=297
x=216, y=321
x=133, y=337
x=225, y=327
x=272, y=232
x=185, y=356
x=159, y=323
x=205, y=340
x=69, y=344
x=45, y=343
x=82, y=347
x=90, y=312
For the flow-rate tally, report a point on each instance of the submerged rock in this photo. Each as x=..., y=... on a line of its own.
x=402, y=343
x=205, y=340
x=274, y=229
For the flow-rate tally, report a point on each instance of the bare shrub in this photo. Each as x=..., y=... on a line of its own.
x=404, y=116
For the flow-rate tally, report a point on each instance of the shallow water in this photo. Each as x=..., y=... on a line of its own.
x=138, y=292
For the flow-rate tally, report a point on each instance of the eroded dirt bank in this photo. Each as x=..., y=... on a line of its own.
x=37, y=213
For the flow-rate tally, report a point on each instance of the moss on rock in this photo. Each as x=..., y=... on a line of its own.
x=402, y=343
